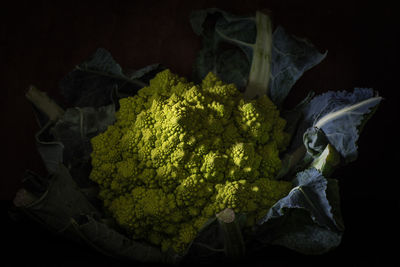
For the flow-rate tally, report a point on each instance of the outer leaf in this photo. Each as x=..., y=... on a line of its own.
x=95, y=82
x=217, y=241
x=92, y=82
x=74, y=130
x=208, y=246
x=109, y=242
x=145, y=74
x=61, y=201
x=291, y=57
x=299, y=233
x=308, y=193
x=305, y=211
x=332, y=193
x=293, y=157
x=294, y=116
x=339, y=115
x=64, y=209
x=228, y=48
x=315, y=141
x=33, y=187
x=49, y=149
x=227, y=41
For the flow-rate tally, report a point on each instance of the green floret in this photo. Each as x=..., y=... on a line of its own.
x=270, y=163
x=233, y=195
x=265, y=193
x=244, y=162
x=186, y=235
x=179, y=153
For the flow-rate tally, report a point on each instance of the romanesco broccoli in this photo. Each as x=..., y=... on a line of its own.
x=179, y=153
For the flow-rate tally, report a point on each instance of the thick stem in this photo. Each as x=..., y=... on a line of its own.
x=261, y=64
x=44, y=103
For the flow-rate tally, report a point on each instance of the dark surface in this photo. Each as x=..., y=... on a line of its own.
x=41, y=41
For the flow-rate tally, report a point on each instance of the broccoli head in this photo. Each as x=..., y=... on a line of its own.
x=179, y=153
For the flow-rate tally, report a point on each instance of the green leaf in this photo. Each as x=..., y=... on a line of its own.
x=332, y=194
x=218, y=240
x=298, y=232
x=315, y=141
x=291, y=57
x=63, y=208
x=74, y=130
x=112, y=243
x=92, y=82
x=226, y=48
x=306, y=220
x=337, y=118
x=208, y=246
x=50, y=150
x=68, y=140
x=61, y=201
x=238, y=50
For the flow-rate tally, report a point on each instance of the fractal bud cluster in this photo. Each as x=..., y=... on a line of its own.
x=179, y=153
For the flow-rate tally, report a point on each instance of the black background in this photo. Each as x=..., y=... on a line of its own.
x=41, y=41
